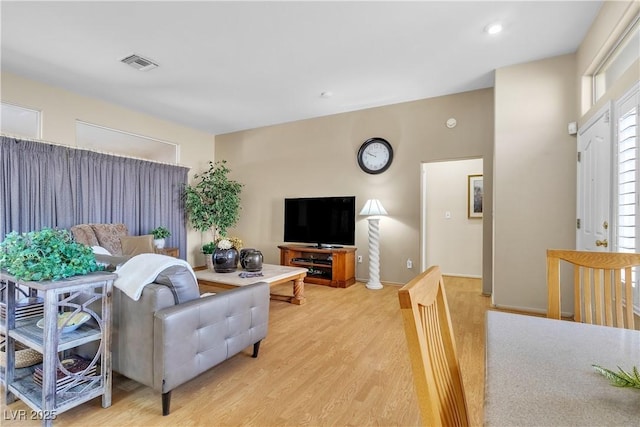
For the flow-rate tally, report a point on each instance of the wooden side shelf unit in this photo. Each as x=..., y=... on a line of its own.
x=174, y=252
x=49, y=389
x=334, y=267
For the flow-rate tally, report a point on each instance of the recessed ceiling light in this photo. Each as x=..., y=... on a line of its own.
x=493, y=28
x=326, y=94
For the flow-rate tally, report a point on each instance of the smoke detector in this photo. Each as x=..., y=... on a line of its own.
x=139, y=63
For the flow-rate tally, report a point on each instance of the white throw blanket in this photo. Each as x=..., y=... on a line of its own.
x=143, y=269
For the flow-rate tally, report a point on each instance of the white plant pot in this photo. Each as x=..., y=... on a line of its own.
x=209, y=261
x=158, y=243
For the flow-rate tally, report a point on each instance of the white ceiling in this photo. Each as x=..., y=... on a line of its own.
x=229, y=66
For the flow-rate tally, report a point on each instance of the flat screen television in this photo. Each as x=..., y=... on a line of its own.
x=323, y=221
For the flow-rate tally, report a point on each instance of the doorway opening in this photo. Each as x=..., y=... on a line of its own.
x=451, y=224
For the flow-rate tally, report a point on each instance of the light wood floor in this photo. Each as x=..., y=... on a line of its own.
x=340, y=359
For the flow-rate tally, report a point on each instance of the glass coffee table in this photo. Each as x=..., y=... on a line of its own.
x=271, y=273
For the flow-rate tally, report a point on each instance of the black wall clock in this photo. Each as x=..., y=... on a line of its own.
x=375, y=155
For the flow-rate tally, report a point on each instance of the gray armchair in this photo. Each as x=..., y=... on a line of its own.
x=171, y=335
x=163, y=341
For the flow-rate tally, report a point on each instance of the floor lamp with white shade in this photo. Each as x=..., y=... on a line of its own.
x=373, y=210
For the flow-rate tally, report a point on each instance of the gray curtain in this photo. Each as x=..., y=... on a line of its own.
x=45, y=185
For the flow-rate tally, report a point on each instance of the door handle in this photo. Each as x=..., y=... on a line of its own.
x=604, y=243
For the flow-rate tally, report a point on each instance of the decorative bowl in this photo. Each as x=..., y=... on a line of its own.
x=74, y=322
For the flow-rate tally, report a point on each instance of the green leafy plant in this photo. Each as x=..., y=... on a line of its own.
x=213, y=202
x=161, y=232
x=621, y=378
x=48, y=254
x=208, y=248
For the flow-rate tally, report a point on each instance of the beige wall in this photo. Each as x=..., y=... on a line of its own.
x=317, y=157
x=61, y=108
x=535, y=176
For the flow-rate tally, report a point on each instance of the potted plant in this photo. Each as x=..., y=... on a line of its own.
x=159, y=236
x=213, y=201
x=207, y=250
x=48, y=254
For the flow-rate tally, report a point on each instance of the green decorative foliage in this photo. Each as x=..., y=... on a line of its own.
x=231, y=242
x=161, y=232
x=208, y=248
x=213, y=202
x=48, y=254
x=621, y=378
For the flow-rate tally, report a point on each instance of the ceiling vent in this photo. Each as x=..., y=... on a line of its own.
x=139, y=63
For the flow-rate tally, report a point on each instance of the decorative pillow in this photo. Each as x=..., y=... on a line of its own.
x=181, y=282
x=109, y=236
x=83, y=233
x=136, y=245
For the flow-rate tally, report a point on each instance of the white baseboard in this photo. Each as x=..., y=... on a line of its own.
x=383, y=282
x=521, y=309
x=467, y=276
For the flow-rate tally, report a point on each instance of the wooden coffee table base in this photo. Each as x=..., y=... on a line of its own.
x=298, y=297
x=272, y=274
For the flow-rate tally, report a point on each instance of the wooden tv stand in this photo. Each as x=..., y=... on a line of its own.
x=334, y=267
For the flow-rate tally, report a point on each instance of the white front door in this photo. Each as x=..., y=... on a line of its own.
x=594, y=183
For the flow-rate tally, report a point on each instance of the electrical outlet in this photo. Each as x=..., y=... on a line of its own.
x=359, y=259
x=409, y=263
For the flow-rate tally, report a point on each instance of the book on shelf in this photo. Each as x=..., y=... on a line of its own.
x=23, y=311
x=74, y=365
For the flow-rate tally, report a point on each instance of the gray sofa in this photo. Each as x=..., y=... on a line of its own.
x=163, y=344
x=170, y=334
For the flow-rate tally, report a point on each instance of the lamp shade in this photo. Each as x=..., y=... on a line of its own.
x=373, y=207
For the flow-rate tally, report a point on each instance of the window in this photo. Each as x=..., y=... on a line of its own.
x=114, y=141
x=627, y=181
x=20, y=121
x=623, y=54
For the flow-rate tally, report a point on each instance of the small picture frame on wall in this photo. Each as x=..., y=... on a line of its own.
x=475, y=196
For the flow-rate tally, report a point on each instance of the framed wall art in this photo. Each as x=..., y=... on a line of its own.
x=475, y=197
